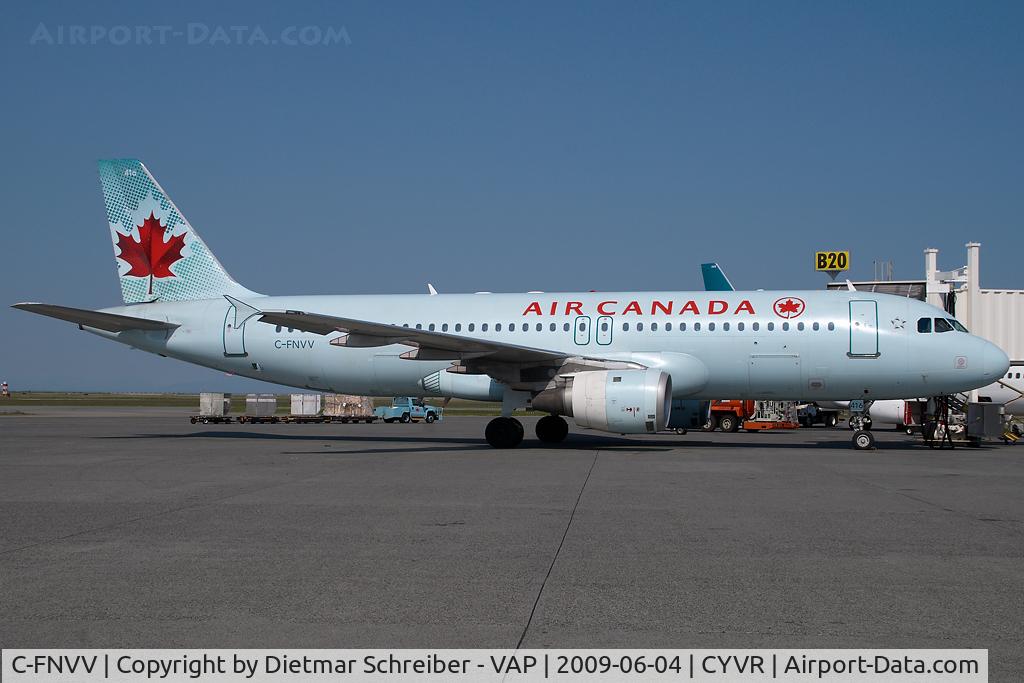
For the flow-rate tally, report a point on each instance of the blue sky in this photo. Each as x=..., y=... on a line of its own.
x=504, y=147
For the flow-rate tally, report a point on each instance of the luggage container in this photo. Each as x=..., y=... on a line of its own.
x=260, y=408
x=305, y=405
x=213, y=407
x=348, y=408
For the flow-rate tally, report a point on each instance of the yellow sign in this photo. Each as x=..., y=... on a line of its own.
x=832, y=261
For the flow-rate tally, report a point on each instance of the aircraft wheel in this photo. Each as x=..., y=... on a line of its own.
x=552, y=429
x=863, y=440
x=504, y=432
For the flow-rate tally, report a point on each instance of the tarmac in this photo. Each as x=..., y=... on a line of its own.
x=135, y=528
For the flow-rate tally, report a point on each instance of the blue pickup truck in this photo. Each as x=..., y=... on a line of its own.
x=408, y=409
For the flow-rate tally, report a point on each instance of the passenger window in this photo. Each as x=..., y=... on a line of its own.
x=654, y=327
x=472, y=326
x=831, y=326
x=771, y=326
x=800, y=327
x=552, y=327
x=625, y=327
x=668, y=327
x=942, y=325
x=565, y=327
x=458, y=327
x=682, y=327
x=815, y=327
x=497, y=327
x=583, y=327
x=785, y=327
x=740, y=326
x=511, y=327
x=696, y=327
x=604, y=327
x=526, y=327
x=277, y=329
x=711, y=327
x=444, y=327
x=725, y=326
x=639, y=327
x=431, y=327
x=924, y=325
x=419, y=326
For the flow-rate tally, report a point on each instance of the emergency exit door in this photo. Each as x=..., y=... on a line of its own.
x=581, y=330
x=864, y=329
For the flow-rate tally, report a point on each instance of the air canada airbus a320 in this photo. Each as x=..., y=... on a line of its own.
x=612, y=361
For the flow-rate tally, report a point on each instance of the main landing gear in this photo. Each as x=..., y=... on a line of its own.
x=507, y=432
x=504, y=432
x=552, y=429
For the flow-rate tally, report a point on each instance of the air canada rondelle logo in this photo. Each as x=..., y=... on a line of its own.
x=788, y=307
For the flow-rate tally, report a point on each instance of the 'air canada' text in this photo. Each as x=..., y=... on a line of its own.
x=634, y=307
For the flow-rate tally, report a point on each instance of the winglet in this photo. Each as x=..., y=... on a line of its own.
x=850, y=287
x=430, y=288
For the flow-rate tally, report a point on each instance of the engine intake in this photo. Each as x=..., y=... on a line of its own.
x=619, y=401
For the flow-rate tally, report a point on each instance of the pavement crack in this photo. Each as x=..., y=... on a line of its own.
x=558, y=550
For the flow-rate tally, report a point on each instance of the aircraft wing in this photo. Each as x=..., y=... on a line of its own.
x=429, y=345
x=111, y=322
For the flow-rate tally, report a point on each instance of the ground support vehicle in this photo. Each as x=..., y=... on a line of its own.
x=408, y=409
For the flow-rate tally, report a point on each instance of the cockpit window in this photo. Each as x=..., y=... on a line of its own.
x=924, y=325
x=942, y=325
x=956, y=325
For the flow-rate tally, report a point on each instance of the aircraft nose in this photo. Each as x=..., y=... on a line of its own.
x=995, y=362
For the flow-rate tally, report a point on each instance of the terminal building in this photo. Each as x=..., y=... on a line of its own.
x=995, y=314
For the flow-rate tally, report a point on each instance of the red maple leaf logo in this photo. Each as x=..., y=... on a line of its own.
x=789, y=307
x=151, y=255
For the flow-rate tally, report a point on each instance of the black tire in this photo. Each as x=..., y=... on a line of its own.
x=863, y=440
x=711, y=424
x=206, y=420
x=430, y=418
x=504, y=432
x=552, y=429
x=405, y=419
x=192, y=420
x=831, y=421
x=729, y=423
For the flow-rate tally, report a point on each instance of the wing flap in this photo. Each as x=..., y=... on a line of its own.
x=111, y=322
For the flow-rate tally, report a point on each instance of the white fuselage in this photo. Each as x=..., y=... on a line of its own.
x=814, y=345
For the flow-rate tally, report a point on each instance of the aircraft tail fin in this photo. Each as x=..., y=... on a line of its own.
x=715, y=279
x=159, y=255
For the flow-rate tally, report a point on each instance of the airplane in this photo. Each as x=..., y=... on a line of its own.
x=612, y=361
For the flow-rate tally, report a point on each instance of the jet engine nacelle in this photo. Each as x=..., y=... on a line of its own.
x=620, y=401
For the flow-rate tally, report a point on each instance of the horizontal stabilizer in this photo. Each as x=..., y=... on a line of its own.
x=111, y=322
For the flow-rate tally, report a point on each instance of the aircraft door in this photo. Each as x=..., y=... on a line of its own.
x=864, y=329
x=234, y=329
x=581, y=330
x=603, y=334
